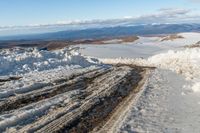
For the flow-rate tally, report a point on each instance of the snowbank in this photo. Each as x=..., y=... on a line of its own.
x=19, y=61
x=185, y=62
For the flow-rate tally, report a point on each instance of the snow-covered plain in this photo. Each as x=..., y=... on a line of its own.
x=143, y=47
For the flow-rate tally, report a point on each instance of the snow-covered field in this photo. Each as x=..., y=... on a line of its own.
x=143, y=47
x=171, y=93
x=172, y=101
x=151, y=51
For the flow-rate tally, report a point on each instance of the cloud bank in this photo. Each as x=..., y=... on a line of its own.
x=196, y=1
x=164, y=15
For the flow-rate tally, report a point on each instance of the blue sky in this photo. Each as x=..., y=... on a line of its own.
x=26, y=12
x=40, y=16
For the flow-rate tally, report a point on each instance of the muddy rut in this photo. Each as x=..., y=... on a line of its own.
x=88, y=102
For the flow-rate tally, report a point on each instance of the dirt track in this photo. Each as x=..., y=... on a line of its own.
x=94, y=101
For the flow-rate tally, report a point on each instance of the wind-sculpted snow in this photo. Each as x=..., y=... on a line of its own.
x=185, y=62
x=87, y=97
x=20, y=61
x=37, y=69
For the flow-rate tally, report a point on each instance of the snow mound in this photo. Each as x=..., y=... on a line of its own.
x=185, y=62
x=196, y=87
x=18, y=61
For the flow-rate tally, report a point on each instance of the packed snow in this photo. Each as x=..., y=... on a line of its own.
x=163, y=107
x=29, y=113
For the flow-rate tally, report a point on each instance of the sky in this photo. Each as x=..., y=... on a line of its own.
x=16, y=13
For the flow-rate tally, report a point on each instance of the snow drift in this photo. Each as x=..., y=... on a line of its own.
x=18, y=61
x=185, y=62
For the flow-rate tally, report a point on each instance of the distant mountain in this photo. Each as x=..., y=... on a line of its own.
x=94, y=33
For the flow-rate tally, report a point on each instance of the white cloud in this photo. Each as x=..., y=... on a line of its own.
x=196, y=1
x=164, y=15
x=169, y=15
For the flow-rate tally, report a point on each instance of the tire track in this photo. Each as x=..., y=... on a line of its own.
x=84, y=103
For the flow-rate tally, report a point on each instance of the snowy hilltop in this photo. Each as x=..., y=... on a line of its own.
x=149, y=85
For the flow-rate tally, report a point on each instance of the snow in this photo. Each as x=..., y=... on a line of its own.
x=143, y=47
x=188, y=39
x=39, y=69
x=185, y=62
x=112, y=41
x=163, y=108
x=170, y=102
x=120, y=50
x=35, y=80
x=26, y=114
x=196, y=87
x=18, y=61
x=32, y=63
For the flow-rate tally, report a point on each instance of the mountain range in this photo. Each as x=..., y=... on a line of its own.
x=116, y=31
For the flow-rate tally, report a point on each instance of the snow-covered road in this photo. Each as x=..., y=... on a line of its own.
x=164, y=107
x=171, y=100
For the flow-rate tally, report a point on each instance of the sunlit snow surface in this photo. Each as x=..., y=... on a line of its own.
x=185, y=62
x=38, y=69
x=164, y=107
x=18, y=61
x=170, y=102
x=144, y=47
x=151, y=51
